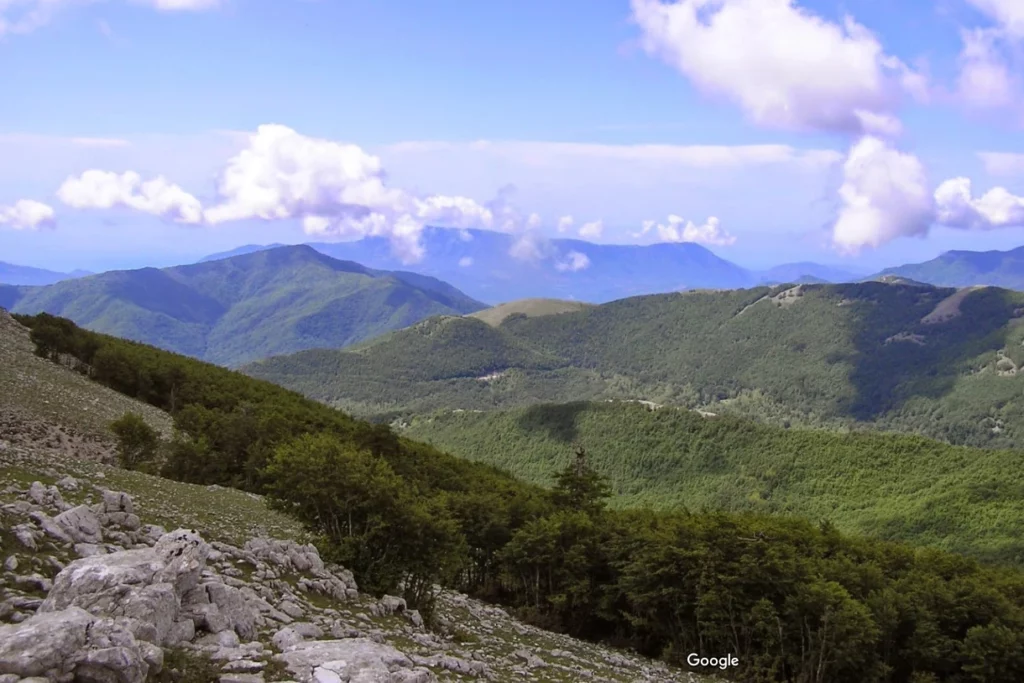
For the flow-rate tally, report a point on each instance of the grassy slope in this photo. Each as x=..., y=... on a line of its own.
x=35, y=394
x=528, y=307
x=240, y=309
x=818, y=355
x=883, y=485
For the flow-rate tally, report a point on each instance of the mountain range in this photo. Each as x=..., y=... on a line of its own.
x=480, y=263
x=11, y=274
x=968, y=268
x=242, y=308
x=911, y=357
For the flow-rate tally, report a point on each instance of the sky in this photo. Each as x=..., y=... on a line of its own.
x=860, y=132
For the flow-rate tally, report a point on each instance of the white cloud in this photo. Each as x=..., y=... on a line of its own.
x=283, y=174
x=97, y=189
x=565, y=224
x=985, y=79
x=1002, y=163
x=884, y=194
x=453, y=212
x=592, y=230
x=573, y=262
x=997, y=208
x=677, y=229
x=466, y=261
x=27, y=214
x=340, y=190
x=1009, y=13
x=784, y=66
x=531, y=246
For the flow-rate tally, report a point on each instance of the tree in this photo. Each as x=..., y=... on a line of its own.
x=578, y=487
x=136, y=441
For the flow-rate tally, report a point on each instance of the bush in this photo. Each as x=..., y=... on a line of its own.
x=136, y=441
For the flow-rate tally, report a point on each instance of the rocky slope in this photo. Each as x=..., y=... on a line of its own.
x=54, y=409
x=95, y=588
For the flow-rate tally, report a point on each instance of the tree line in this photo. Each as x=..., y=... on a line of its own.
x=792, y=600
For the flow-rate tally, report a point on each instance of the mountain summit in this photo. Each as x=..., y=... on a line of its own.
x=242, y=308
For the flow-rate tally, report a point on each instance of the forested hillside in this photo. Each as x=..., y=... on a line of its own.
x=882, y=485
x=794, y=600
x=240, y=309
x=940, y=362
x=968, y=268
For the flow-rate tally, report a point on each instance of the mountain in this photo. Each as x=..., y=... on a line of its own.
x=11, y=274
x=479, y=263
x=938, y=361
x=56, y=454
x=371, y=556
x=240, y=251
x=968, y=268
x=242, y=308
x=808, y=273
x=664, y=457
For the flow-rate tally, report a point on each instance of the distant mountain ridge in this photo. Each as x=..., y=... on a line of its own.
x=241, y=308
x=11, y=274
x=479, y=263
x=968, y=268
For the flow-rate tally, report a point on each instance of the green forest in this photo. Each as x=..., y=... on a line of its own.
x=892, y=486
x=793, y=600
x=866, y=356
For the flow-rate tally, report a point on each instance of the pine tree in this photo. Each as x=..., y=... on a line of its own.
x=579, y=487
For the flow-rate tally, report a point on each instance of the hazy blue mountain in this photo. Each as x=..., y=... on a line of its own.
x=240, y=251
x=478, y=263
x=242, y=308
x=967, y=268
x=809, y=273
x=11, y=274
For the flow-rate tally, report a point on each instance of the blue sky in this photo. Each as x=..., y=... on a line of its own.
x=597, y=109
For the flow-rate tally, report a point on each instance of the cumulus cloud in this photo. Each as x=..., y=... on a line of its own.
x=27, y=214
x=565, y=224
x=592, y=230
x=573, y=262
x=97, y=189
x=784, y=66
x=339, y=190
x=957, y=208
x=884, y=195
x=677, y=229
x=466, y=261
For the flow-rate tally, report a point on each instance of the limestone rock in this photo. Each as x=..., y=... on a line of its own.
x=143, y=586
x=356, y=660
x=73, y=644
x=81, y=524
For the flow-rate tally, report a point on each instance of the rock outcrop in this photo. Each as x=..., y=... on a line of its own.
x=93, y=594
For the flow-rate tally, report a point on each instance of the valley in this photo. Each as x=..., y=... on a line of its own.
x=413, y=523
